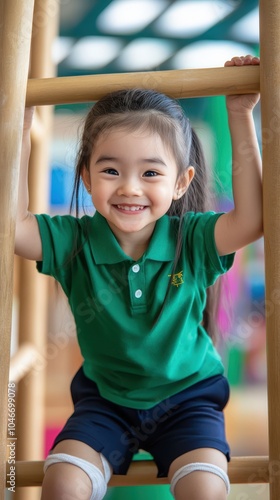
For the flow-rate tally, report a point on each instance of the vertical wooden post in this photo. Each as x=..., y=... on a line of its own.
x=33, y=288
x=270, y=105
x=15, y=35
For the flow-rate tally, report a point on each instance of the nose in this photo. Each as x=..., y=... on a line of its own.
x=129, y=187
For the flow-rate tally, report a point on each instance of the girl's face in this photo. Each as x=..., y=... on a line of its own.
x=133, y=179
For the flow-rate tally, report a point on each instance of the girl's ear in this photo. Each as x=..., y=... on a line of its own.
x=183, y=183
x=86, y=179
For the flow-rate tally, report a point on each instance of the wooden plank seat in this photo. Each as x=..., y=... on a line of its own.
x=242, y=470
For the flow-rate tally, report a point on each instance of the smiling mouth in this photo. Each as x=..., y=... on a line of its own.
x=130, y=208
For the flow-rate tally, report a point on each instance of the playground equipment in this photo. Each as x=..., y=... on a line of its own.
x=16, y=90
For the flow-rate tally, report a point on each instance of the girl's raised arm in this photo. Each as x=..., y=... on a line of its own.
x=27, y=238
x=243, y=224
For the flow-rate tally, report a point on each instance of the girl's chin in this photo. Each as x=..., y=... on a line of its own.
x=129, y=228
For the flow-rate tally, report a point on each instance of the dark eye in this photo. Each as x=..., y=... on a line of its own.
x=150, y=173
x=110, y=171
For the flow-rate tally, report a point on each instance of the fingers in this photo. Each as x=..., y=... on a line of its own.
x=243, y=61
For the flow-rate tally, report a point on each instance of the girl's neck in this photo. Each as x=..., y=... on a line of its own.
x=134, y=244
x=135, y=251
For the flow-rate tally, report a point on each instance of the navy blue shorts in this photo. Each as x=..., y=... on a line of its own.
x=191, y=419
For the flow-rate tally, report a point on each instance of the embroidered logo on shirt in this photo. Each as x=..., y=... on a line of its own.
x=177, y=279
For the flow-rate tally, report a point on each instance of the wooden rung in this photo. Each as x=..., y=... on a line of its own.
x=176, y=83
x=242, y=470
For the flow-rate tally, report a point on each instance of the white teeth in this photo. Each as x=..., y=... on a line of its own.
x=131, y=208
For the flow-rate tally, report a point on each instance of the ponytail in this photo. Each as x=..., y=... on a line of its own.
x=199, y=198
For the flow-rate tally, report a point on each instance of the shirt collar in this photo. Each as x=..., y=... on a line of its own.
x=106, y=248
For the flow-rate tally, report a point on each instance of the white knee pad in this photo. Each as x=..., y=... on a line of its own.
x=98, y=480
x=199, y=466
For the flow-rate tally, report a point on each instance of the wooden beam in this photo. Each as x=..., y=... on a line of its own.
x=15, y=36
x=242, y=470
x=176, y=83
x=270, y=107
x=33, y=287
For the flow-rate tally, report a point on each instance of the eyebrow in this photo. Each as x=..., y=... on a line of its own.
x=106, y=158
x=153, y=160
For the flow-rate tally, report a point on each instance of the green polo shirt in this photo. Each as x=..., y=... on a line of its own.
x=137, y=356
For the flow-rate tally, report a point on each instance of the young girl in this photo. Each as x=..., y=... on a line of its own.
x=136, y=276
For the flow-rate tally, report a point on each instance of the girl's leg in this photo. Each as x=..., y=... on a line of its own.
x=70, y=482
x=196, y=484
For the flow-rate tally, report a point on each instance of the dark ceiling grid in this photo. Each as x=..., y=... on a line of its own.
x=87, y=27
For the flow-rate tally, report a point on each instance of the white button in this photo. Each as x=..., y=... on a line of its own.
x=138, y=294
x=136, y=268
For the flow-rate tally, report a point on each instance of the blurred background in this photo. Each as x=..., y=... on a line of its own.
x=120, y=36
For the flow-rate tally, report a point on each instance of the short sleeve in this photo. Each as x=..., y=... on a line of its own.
x=201, y=247
x=60, y=237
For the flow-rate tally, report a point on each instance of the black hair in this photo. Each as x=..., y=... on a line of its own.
x=135, y=109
